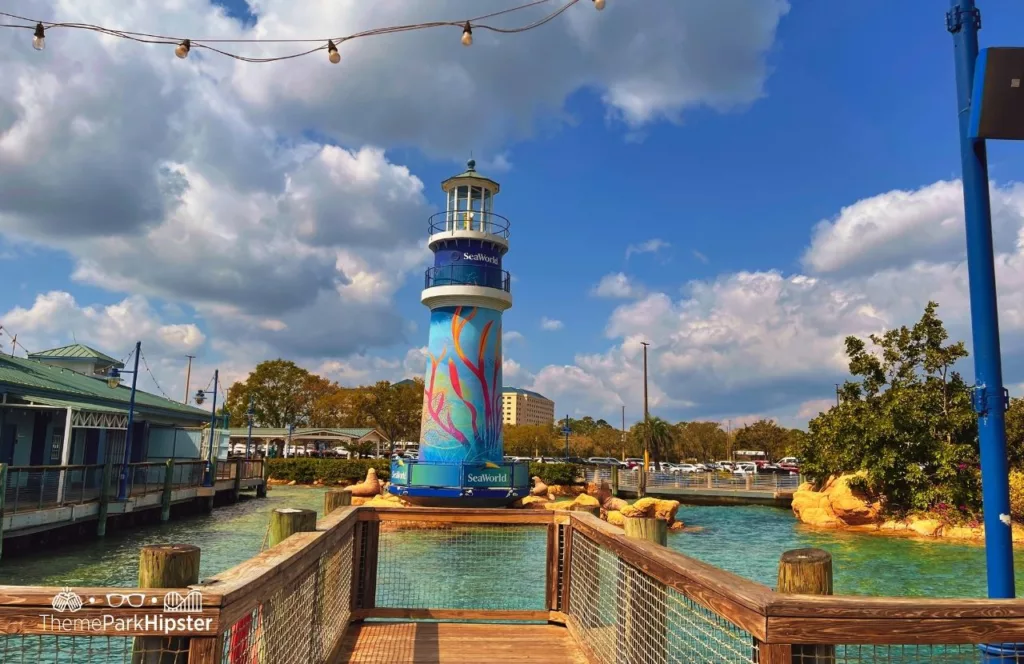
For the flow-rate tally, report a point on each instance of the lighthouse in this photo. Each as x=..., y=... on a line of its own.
x=461, y=458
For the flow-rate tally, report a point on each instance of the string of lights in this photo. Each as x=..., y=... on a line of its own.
x=14, y=341
x=184, y=45
x=142, y=356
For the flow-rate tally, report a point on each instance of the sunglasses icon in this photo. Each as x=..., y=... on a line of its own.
x=134, y=600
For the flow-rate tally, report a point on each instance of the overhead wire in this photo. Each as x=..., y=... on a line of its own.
x=185, y=44
x=142, y=356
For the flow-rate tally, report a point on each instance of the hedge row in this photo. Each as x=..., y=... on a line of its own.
x=305, y=470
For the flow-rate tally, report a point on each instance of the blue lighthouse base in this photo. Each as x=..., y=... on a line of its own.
x=459, y=484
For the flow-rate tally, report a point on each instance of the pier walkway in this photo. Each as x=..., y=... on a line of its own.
x=405, y=585
x=37, y=499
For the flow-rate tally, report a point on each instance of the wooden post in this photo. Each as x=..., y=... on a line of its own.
x=3, y=494
x=238, y=479
x=261, y=489
x=336, y=498
x=108, y=468
x=808, y=572
x=749, y=481
x=165, y=499
x=287, y=521
x=165, y=566
x=615, y=481
x=652, y=530
x=653, y=605
x=711, y=480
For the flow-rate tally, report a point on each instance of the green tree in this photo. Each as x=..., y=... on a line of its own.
x=905, y=418
x=703, y=441
x=530, y=440
x=395, y=410
x=764, y=436
x=659, y=435
x=281, y=391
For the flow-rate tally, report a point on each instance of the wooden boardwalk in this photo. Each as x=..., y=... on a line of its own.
x=458, y=643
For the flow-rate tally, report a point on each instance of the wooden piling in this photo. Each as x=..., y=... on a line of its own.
x=652, y=530
x=237, y=491
x=108, y=468
x=165, y=566
x=808, y=572
x=165, y=498
x=336, y=498
x=287, y=521
x=261, y=489
x=3, y=494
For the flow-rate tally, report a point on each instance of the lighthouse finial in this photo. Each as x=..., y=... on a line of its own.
x=471, y=164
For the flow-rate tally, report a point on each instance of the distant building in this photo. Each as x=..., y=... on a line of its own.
x=520, y=406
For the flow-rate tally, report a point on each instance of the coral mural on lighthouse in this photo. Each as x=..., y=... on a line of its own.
x=462, y=418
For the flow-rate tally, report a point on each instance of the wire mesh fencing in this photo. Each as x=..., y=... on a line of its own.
x=625, y=616
x=472, y=566
x=301, y=622
x=46, y=649
x=898, y=654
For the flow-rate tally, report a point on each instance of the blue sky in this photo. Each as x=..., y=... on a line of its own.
x=727, y=171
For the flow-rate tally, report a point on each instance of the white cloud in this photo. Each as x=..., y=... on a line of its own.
x=649, y=247
x=812, y=408
x=509, y=336
x=514, y=374
x=897, y=228
x=699, y=256
x=617, y=285
x=255, y=194
x=551, y=324
x=769, y=342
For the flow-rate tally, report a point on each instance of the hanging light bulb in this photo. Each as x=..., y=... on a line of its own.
x=39, y=38
x=467, y=35
x=183, y=48
x=332, y=53
x=598, y=5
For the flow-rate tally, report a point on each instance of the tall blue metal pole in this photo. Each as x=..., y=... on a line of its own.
x=213, y=428
x=963, y=21
x=122, y=480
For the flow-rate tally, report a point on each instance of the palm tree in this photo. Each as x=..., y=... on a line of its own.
x=660, y=436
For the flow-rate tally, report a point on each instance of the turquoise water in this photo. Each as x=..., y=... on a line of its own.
x=749, y=540
x=226, y=537
x=745, y=540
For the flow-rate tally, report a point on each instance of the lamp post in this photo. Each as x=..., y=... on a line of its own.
x=566, y=429
x=200, y=398
x=288, y=443
x=113, y=381
x=250, y=414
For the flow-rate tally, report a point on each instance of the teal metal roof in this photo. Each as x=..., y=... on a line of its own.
x=470, y=172
x=74, y=352
x=519, y=390
x=303, y=431
x=35, y=379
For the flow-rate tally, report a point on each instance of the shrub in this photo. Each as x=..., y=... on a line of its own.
x=1017, y=495
x=556, y=473
x=304, y=470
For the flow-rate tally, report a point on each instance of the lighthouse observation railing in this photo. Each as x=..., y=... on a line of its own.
x=623, y=601
x=469, y=220
x=467, y=275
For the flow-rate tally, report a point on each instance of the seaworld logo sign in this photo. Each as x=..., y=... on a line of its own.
x=488, y=478
x=493, y=260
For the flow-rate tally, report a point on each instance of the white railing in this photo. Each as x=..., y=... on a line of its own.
x=628, y=480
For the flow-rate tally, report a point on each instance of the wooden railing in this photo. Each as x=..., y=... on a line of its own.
x=623, y=601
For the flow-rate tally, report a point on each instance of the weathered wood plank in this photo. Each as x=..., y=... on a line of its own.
x=450, y=614
x=807, y=630
x=774, y=653
x=456, y=515
x=551, y=576
x=840, y=606
x=441, y=643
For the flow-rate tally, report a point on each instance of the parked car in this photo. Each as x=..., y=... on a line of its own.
x=686, y=468
x=745, y=468
x=603, y=461
x=634, y=462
